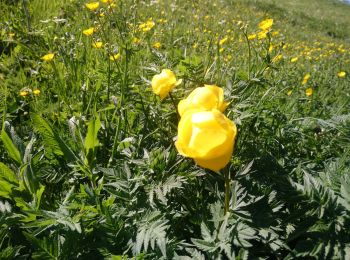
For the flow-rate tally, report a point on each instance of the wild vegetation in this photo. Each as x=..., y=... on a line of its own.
x=88, y=164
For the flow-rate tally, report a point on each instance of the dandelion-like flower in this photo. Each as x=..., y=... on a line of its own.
x=48, y=57
x=266, y=24
x=89, y=31
x=309, y=92
x=114, y=57
x=92, y=6
x=306, y=79
x=341, y=74
x=97, y=45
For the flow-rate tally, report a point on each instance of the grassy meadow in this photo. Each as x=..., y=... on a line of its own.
x=88, y=165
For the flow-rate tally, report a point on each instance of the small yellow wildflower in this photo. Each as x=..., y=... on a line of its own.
x=266, y=24
x=262, y=35
x=251, y=36
x=36, y=92
x=271, y=47
x=308, y=92
x=157, y=45
x=11, y=35
x=48, y=57
x=107, y=1
x=24, y=93
x=289, y=93
x=306, y=78
x=295, y=59
x=223, y=40
x=145, y=27
x=277, y=58
x=341, y=74
x=89, y=31
x=136, y=40
x=221, y=50
x=114, y=57
x=97, y=45
x=92, y=6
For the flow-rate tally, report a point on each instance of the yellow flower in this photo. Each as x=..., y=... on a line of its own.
x=266, y=24
x=97, y=45
x=92, y=6
x=145, y=27
x=262, y=35
x=24, y=93
x=157, y=45
x=295, y=59
x=341, y=74
x=36, y=92
x=107, y=1
x=308, y=92
x=251, y=36
x=164, y=82
x=208, y=137
x=48, y=57
x=89, y=31
x=277, y=58
x=289, y=92
x=114, y=57
x=305, y=79
x=223, y=40
x=208, y=97
x=136, y=40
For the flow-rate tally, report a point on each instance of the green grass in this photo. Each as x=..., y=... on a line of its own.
x=88, y=167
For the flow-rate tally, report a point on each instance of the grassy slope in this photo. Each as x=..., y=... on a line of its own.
x=305, y=18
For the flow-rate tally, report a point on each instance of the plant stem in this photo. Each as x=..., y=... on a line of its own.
x=227, y=190
x=174, y=104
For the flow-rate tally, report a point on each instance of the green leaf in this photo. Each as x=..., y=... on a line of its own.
x=10, y=147
x=91, y=140
x=51, y=139
x=7, y=174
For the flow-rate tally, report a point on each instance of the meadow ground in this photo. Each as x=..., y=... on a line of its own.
x=88, y=165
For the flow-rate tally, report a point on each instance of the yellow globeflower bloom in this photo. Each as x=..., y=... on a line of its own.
x=114, y=57
x=36, y=92
x=208, y=137
x=48, y=57
x=308, y=92
x=164, y=82
x=341, y=74
x=89, y=31
x=92, y=6
x=204, y=98
x=97, y=45
x=266, y=24
x=306, y=79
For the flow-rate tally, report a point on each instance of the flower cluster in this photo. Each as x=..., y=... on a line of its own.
x=205, y=134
